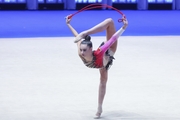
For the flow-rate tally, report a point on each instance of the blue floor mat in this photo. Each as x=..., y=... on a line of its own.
x=18, y=24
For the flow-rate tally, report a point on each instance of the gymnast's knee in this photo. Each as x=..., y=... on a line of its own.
x=109, y=20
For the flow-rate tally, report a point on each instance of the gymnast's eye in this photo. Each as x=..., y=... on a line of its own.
x=84, y=50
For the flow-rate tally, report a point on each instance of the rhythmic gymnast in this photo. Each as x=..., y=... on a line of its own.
x=102, y=58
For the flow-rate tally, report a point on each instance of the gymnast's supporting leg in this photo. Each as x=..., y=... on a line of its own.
x=103, y=72
x=102, y=90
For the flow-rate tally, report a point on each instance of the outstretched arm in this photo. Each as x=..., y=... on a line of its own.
x=75, y=33
x=68, y=20
x=115, y=37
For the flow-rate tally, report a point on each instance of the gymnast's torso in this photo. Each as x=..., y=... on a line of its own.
x=100, y=59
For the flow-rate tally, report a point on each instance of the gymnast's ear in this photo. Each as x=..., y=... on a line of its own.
x=88, y=38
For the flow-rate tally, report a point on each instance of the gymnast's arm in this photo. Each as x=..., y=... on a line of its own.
x=116, y=35
x=75, y=33
x=122, y=29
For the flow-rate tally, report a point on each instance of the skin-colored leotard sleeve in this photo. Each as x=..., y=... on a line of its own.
x=110, y=42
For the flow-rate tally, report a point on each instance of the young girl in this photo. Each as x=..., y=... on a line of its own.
x=101, y=58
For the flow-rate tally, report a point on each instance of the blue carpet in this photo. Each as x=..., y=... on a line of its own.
x=18, y=24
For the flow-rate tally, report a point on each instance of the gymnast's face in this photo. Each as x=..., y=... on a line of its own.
x=85, y=50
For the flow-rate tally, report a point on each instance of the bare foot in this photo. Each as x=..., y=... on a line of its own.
x=98, y=114
x=80, y=36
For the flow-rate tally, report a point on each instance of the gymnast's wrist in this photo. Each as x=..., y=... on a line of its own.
x=125, y=26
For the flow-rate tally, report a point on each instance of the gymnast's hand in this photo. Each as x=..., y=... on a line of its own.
x=68, y=19
x=125, y=22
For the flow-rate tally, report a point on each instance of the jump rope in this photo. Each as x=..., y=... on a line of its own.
x=93, y=6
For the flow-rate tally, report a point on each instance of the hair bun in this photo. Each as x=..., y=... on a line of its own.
x=88, y=38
